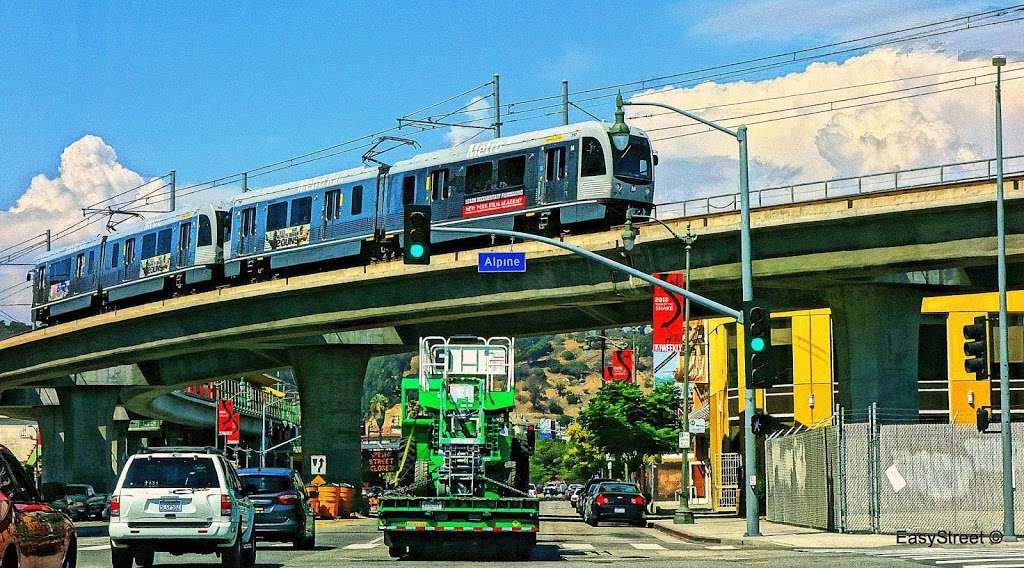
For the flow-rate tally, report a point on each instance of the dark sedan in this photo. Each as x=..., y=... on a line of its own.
x=615, y=501
x=283, y=512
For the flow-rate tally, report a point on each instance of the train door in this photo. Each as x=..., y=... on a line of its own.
x=554, y=184
x=184, y=244
x=439, y=192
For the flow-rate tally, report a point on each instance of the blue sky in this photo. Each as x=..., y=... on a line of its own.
x=214, y=89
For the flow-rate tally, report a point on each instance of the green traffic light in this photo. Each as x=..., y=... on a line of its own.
x=416, y=250
x=757, y=344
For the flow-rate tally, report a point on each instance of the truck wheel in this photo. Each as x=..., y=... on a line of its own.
x=121, y=557
x=396, y=551
x=144, y=557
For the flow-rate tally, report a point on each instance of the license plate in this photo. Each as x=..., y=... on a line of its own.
x=432, y=506
x=620, y=509
x=259, y=509
x=169, y=506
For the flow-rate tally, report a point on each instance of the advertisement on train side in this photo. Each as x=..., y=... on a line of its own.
x=490, y=204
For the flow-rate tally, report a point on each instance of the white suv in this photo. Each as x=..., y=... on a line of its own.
x=180, y=500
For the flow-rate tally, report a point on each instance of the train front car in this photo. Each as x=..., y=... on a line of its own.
x=64, y=283
x=611, y=180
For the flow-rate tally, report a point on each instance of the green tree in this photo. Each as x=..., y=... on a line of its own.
x=627, y=423
x=546, y=461
x=581, y=458
x=568, y=355
x=554, y=407
x=378, y=406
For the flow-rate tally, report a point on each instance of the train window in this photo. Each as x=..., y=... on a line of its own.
x=115, y=254
x=60, y=271
x=593, y=158
x=302, y=211
x=408, y=190
x=205, y=236
x=149, y=246
x=332, y=205
x=555, y=164
x=89, y=265
x=163, y=242
x=478, y=177
x=357, y=200
x=80, y=266
x=129, y=252
x=185, y=237
x=511, y=172
x=248, y=228
x=277, y=216
x=437, y=185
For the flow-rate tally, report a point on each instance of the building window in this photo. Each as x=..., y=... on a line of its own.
x=332, y=205
x=302, y=211
x=149, y=246
x=554, y=164
x=408, y=190
x=277, y=216
x=357, y=200
x=248, y=227
x=512, y=172
x=163, y=242
x=438, y=181
x=593, y=158
x=478, y=177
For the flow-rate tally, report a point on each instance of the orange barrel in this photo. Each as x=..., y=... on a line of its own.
x=314, y=502
x=347, y=495
x=330, y=501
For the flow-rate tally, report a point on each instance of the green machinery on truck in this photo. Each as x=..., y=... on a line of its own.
x=464, y=471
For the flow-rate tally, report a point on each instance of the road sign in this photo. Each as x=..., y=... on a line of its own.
x=698, y=425
x=318, y=464
x=501, y=262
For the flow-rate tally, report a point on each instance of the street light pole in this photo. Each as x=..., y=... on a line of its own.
x=620, y=130
x=1004, y=367
x=684, y=516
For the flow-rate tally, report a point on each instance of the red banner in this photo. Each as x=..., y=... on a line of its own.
x=486, y=205
x=235, y=437
x=227, y=419
x=621, y=368
x=668, y=314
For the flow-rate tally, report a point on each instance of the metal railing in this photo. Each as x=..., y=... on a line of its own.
x=248, y=399
x=843, y=187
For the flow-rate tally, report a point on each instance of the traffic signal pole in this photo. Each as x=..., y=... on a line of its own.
x=695, y=298
x=746, y=281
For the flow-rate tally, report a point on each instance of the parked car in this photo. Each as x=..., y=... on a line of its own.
x=572, y=489
x=615, y=501
x=94, y=504
x=550, y=488
x=180, y=500
x=36, y=534
x=283, y=511
x=533, y=490
x=591, y=484
x=55, y=494
x=575, y=497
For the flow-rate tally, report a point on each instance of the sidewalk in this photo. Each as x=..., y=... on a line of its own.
x=730, y=531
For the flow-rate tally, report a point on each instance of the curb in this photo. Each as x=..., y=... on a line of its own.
x=757, y=542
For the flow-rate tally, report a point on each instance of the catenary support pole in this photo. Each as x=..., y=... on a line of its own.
x=497, y=106
x=565, y=103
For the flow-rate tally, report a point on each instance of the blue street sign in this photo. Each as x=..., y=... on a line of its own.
x=501, y=262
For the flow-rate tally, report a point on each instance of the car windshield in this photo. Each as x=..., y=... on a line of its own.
x=190, y=473
x=633, y=164
x=78, y=489
x=619, y=488
x=256, y=484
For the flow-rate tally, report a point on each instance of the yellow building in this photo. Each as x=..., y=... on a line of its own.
x=946, y=392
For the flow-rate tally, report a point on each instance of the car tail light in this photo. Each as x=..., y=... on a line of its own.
x=115, y=506
x=225, y=505
x=638, y=500
x=287, y=499
x=600, y=500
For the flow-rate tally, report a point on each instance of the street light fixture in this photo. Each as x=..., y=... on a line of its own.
x=746, y=279
x=619, y=131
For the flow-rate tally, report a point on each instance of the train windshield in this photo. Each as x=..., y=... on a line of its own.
x=633, y=165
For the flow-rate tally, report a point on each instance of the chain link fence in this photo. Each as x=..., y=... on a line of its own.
x=881, y=477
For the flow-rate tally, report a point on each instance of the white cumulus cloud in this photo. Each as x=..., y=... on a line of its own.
x=830, y=140
x=476, y=112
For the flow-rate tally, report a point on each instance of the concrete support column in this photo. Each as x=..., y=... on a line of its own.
x=330, y=381
x=875, y=347
x=82, y=443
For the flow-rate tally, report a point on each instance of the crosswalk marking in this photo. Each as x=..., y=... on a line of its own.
x=646, y=546
x=362, y=546
x=996, y=557
x=95, y=547
x=721, y=547
x=575, y=546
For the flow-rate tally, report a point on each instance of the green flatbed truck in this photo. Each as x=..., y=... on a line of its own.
x=464, y=473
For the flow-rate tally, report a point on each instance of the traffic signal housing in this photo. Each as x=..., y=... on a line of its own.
x=761, y=369
x=761, y=424
x=984, y=418
x=976, y=347
x=416, y=249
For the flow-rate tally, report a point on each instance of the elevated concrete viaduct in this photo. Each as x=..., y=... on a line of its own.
x=869, y=257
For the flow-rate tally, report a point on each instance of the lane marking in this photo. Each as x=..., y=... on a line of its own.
x=95, y=547
x=361, y=546
x=575, y=546
x=647, y=546
x=977, y=560
x=721, y=547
